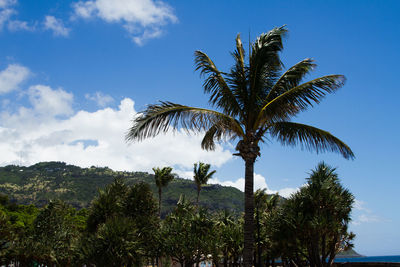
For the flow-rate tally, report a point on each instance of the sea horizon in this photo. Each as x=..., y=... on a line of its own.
x=387, y=258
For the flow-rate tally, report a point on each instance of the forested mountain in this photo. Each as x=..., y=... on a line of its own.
x=43, y=181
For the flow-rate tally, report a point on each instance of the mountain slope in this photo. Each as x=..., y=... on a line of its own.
x=78, y=186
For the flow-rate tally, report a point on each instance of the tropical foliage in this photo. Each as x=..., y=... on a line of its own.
x=253, y=100
x=122, y=228
x=316, y=219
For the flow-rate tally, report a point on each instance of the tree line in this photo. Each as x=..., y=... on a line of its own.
x=122, y=227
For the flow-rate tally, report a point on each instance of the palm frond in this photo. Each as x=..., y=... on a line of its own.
x=237, y=77
x=299, y=98
x=291, y=78
x=215, y=84
x=161, y=117
x=264, y=64
x=271, y=40
x=219, y=131
x=308, y=137
x=208, y=142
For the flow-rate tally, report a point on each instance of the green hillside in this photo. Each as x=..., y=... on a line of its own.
x=56, y=180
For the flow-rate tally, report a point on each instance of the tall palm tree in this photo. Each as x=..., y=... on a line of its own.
x=201, y=176
x=253, y=100
x=162, y=178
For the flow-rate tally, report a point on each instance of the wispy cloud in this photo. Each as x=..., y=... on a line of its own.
x=19, y=25
x=362, y=214
x=7, y=14
x=6, y=11
x=102, y=100
x=368, y=218
x=143, y=19
x=56, y=26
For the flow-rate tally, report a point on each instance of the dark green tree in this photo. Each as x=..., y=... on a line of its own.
x=229, y=239
x=116, y=243
x=317, y=218
x=254, y=99
x=54, y=236
x=6, y=237
x=264, y=204
x=122, y=214
x=187, y=233
x=201, y=176
x=109, y=202
x=162, y=178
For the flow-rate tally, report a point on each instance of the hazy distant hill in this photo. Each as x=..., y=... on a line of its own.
x=351, y=253
x=78, y=186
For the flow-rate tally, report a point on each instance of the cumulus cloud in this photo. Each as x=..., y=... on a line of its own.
x=143, y=19
x=12, y=77
x=102, y=100
x=56, y=25
x=259, y=183
x=48, y=129
x=49, y=102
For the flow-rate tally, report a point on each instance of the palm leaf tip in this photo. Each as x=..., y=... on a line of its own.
x=310, y=138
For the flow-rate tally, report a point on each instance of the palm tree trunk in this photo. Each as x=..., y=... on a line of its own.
x=198, y=194
x=248, y=213
x=159, y=202
x=258, y=238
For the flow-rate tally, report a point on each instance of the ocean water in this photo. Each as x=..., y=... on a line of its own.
x=371, y=259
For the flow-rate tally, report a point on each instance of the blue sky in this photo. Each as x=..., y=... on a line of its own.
x=74, y=73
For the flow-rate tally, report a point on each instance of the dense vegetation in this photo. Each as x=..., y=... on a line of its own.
x=39, y=183
x=121, y=227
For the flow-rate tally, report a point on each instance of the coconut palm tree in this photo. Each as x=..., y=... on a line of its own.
x=162, y=178
x=201, y=176
x=253, y=100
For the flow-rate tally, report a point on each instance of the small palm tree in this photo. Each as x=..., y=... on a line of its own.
x=254, y=99
x=162, y=178
x=201, y=176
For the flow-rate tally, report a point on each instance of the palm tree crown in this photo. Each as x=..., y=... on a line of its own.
x=253, y=100
x=201, y=176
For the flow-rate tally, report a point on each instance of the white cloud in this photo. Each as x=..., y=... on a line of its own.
x=56, y=25
x=364, y=215
x=367, y=218
x=12, y=77
x=259, y=183
x=360, y=206
x=101, y=99
x=49, y=102
x=6, y=11
x=18, y=25
x=37, y=133
x=143, y=19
